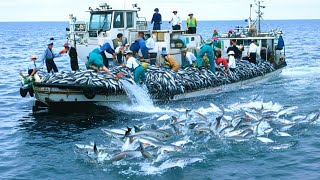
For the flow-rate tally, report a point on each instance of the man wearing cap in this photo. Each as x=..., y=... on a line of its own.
x=32, y=70
x=95, y=61
x=176, y=21
x=73, y=56
x=170, y=61
x=207, y=49
x=48, y=57
x=140, y=44
x=135, y=66
x=192, y=24
x=156, y=19
x=32, y=67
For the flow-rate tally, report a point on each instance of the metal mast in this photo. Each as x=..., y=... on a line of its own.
x=260, y=13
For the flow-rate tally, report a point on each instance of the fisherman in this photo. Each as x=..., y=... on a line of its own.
x=279, y=47
x=151, y=43
x=73, y=56
x=192, y=24
x=170, y=61
x=253, y=49
x=215, y=33
x=190, y=58
x=233, y=47
x=221, y=60
x=31, y=71
x=32, y=66
x=175, y=21
x=140, y=44
x=48, y=57
x=216, y=43
x=280, y=44
x=95, y=61
x=118, y=45
x=156, y=19
x=107, y=47
x=207, y=49
x=232, y=61
x=230, y=33
x=135, y=66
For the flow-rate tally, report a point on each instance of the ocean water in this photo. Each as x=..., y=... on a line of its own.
x=42, y=145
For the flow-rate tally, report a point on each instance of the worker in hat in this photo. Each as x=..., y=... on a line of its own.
x=31, y=71
x=208, y=50
x=73, y=56
x=140, y=44
x=32, y=66
x=192, y=24
x=156, y=20
x=175, y=21
x=135, y=66
x=95, y=60
x=170, y=61
x=48, y=57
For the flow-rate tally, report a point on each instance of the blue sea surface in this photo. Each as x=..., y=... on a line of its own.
x=41, y=145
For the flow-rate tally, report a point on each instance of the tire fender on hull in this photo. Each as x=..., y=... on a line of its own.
x=89, y=92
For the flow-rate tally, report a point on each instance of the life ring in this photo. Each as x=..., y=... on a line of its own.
x=89, y=93
x=23, y=92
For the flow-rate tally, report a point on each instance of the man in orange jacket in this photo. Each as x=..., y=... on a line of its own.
x=168, y=60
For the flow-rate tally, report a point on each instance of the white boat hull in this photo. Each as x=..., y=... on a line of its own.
x=56, y=95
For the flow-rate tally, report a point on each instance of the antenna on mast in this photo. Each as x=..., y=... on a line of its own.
x=260, y=13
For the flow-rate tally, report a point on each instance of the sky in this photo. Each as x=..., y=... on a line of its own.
x=59, y=10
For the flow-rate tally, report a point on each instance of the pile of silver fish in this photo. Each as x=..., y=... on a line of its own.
x=162, y=82
x=164, y=141
x=85, y=78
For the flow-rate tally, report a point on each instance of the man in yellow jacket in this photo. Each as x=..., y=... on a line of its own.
x=192, y=24
x=170, y=61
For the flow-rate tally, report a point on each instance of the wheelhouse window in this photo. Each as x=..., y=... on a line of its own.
x=118, y=20
x=100, y=21
x=129, y=19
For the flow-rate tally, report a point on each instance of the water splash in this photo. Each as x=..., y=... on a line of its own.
x=137, y=94
x=140, y=99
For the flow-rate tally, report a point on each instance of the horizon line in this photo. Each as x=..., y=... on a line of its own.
x=164, y=20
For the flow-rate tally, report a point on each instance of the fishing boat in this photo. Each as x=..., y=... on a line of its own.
x=104, y=25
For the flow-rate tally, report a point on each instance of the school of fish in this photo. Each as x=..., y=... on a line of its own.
x=162, y=142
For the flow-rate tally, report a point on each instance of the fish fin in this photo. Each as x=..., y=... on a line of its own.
x=95, y=149
x=136, y=128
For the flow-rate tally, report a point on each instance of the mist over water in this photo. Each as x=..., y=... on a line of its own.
x=42, y=145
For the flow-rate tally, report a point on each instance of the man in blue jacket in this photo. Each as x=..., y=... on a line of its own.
x=106, y=47
x=95, y=61
x=48, y=57
x=140, y=44
x=207, y=49
x=156, y=19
